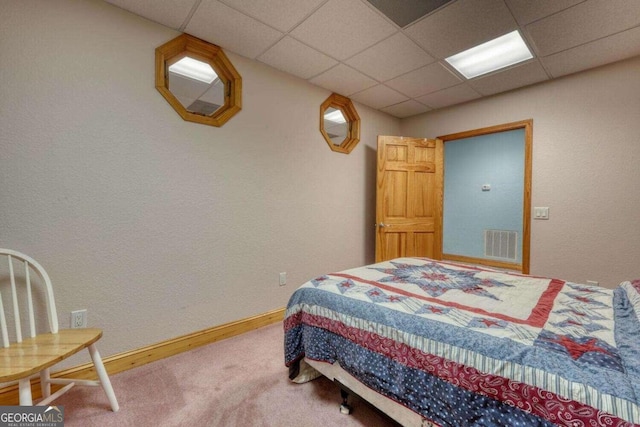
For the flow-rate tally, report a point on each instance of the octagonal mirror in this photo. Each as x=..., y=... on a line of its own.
x=339, y=123
x=198, y=80
x=335, y=125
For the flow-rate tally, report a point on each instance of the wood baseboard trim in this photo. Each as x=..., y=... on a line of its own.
x=135, y=358
x=483, y=261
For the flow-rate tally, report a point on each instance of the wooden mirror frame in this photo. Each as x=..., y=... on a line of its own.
x=349, y=112
x=187, y=45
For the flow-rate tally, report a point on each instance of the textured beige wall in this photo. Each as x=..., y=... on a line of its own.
x=161, y=227
x=586, y=148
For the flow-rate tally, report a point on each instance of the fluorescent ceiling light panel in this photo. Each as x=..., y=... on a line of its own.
x=194, y=69
x=493, y=55
x=335, y=116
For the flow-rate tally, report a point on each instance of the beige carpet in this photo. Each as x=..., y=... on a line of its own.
x=241, y=381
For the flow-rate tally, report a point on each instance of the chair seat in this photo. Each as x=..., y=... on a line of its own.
x=32, y=355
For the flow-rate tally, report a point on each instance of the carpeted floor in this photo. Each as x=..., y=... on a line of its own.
x=238, y=382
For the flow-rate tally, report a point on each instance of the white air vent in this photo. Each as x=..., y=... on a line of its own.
x=501, y=244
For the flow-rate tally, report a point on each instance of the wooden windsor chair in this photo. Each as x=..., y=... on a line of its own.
x=24, y=357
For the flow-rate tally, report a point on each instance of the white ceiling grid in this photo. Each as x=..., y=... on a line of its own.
x=352, y=48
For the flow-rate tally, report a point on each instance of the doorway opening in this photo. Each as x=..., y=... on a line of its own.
x=486, y=203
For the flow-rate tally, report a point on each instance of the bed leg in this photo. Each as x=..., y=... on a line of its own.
x=344, y=407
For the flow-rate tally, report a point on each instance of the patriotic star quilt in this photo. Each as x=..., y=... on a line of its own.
x=467, y=346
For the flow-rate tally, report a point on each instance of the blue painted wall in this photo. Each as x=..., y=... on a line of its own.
x=498, y=160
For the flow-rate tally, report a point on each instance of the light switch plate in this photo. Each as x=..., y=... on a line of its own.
x=541, y=213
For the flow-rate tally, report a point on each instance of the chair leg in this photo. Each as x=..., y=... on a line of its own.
x=25, y=392
x=45, y=385
x=104, y=377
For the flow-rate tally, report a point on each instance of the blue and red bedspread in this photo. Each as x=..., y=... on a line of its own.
x=466, y=346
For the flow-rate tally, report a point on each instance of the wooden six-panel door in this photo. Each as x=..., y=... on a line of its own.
x=409, y=197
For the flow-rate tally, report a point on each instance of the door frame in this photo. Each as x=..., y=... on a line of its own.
x=527, y=125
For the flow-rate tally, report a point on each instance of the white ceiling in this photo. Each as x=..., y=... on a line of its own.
x=350, y=47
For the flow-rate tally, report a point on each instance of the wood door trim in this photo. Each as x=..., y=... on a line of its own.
x=488, y=130
x=439, y=203
x=527, y=125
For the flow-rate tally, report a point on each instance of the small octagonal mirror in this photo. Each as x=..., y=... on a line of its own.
x=339, y=123
x=335, y=125
x=198, y=80
x=197, y=86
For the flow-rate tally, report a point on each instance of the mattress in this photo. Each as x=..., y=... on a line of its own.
x=468, y=346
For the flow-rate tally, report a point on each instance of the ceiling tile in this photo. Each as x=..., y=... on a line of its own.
x=519, y=76
x=406, y=11
x=378, y=96
x=218, y=23
x=291, y=56
x=450, y=96
x=270, y=12
x=583, y=23
x=461, y=25
x=390, y=58
x=356, y=47
x=168, y=13
x=527, y=11
x=406, y=109
x=343, y=80
x=342, y=28
x=424, y=80
x=611, y=49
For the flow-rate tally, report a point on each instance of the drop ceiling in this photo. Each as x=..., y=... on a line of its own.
x=389, y=54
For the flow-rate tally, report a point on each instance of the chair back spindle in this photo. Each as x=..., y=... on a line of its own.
x=3, y=325
x=14, y=299
x=17, y=291
x=32, y=322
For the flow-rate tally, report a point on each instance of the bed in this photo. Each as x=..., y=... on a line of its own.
x=437, y=343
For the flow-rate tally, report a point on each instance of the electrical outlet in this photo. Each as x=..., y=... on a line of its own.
x=283, y=279
x=79, y=319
